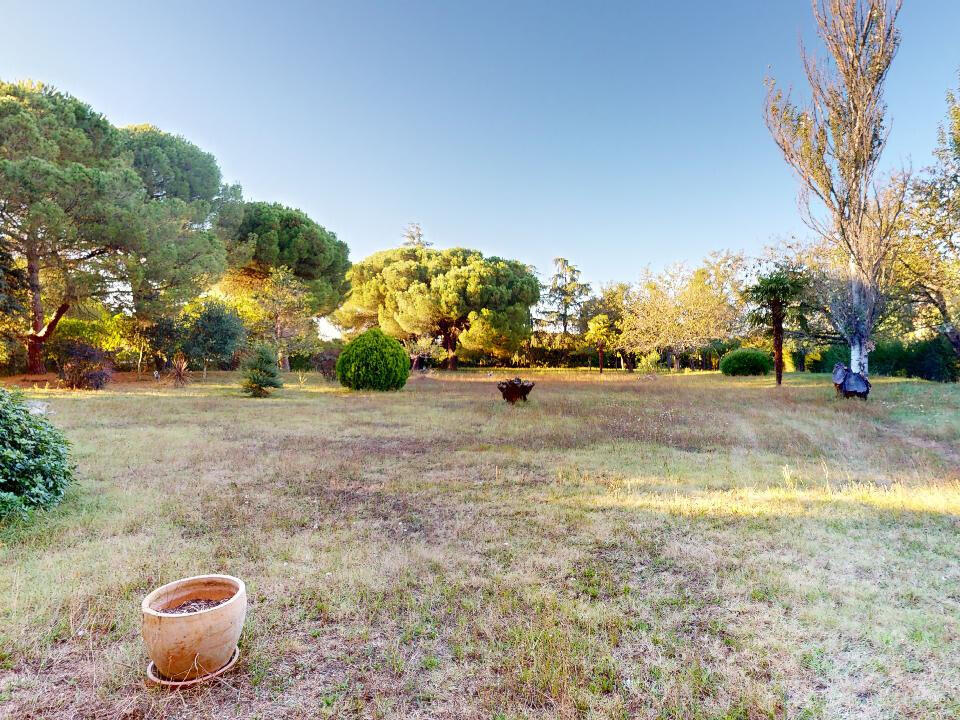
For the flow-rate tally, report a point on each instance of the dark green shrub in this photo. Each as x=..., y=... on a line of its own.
x=34, y=469
x=214, y=335
x=82, y=366
x=932, y=359
x=373, y=361
x=746, y=361
x=164, y=337
x=887, y=358
x=260, y=372
x=325, y=362
x=828, y=357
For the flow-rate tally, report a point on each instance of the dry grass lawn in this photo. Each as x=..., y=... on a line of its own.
x=686, y=546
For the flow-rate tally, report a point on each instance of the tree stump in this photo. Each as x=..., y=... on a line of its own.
x=516, y=389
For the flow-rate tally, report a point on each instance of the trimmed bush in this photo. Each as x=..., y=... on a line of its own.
x=34, y=468
x=746, y=361
x=932, y=359
x=373, y=361
x=260, y=372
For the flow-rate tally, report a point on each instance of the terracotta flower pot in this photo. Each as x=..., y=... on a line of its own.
x=192, y=645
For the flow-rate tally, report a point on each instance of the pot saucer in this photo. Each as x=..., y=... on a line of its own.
x=154, y=679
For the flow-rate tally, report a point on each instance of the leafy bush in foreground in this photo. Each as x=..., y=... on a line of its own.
x=260, y=372
x=746, y=361
x=373, y=361
x=34, y=469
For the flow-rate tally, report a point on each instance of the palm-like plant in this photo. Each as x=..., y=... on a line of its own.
x=179, y=373
x=778, y=297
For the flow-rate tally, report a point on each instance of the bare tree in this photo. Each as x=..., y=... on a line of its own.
x=834, y=145
x=413, y=236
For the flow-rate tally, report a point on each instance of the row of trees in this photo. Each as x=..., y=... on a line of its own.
x=140, y=222
x=885, y=260
x=135, y=229
x=138, y=225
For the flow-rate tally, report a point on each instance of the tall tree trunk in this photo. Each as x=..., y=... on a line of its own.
x=37, y=339
x=859, y=334
x=600, y=353
x=40, y=332
x=450, y=344
x=859, y=356
x=953, y=335
x=35, y=364
x=34, y=341
x=777, y=317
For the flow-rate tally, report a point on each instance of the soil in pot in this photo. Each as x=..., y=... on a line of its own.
x=192, y=606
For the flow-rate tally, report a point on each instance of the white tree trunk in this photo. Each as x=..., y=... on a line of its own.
x=859, y=362
x=860, y=334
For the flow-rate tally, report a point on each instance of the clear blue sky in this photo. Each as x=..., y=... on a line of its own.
x=617, y=134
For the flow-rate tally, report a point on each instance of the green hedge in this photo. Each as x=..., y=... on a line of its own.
x=34, y=468
x=932, y=359
x=746, y=361
x=373, y=361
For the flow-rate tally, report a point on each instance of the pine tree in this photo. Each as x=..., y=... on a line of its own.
x=565, y=295
x=260, y=372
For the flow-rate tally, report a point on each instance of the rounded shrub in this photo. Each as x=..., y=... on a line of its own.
x=34, y=468
x=373, y=361
x=746, y=361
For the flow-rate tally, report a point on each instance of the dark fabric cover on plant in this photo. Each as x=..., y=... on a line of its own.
x=850, y=384
x=516, y=389
x=839, y=373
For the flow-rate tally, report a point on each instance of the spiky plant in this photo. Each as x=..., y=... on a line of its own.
x=179, y=373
